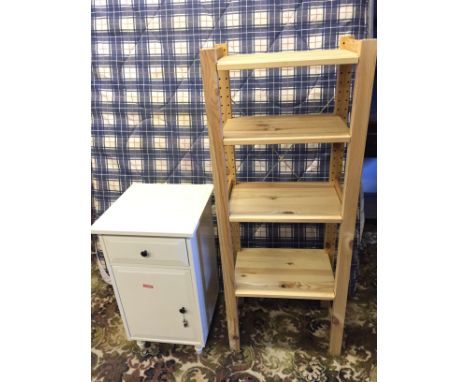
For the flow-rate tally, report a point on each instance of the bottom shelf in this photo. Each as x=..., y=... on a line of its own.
x=284, y=273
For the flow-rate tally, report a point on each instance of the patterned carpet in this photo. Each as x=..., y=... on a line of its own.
x=282, y=340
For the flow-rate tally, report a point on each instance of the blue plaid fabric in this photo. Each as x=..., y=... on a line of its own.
x=148, y=115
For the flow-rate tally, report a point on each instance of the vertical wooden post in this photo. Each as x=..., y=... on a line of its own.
x=226, y=113
x=343, y=81
x=211, y=89
x=362, y=97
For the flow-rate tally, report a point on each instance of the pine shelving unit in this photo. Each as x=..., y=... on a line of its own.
x=289, y=272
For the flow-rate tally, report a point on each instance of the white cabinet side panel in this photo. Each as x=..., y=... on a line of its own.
x=209, y=259
x=114, y=287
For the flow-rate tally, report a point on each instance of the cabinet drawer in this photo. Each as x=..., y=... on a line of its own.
x=158, y=251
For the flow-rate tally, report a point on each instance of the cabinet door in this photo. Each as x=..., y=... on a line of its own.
x=152, y=300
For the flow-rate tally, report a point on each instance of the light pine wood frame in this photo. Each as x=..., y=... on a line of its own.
x=215, y=73
x=362, y=97
x=226, y=113
x=211, y=89
x=343, y=85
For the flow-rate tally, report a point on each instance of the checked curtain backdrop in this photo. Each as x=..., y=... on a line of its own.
x=148, y=116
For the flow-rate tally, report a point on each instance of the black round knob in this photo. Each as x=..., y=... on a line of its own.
x=182, y=310
x=144, y=253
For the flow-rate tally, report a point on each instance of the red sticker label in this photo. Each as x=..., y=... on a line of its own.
x=148, y=286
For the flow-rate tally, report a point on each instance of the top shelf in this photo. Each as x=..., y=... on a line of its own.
x=288, y=59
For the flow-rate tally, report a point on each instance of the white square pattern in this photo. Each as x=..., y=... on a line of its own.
x=158, y=120
x=183, y=120
x=287, y=43
x=288, y=16
x=261, y=18
x=315, y=41
x=157, y=96
x=310, y=231
x=206, y=21
x=287, y=95
x=181, y=72
x=130, y=72
x=186, y=165
x=232, y=19
x=108, y=119
x=160, y=164
x=346, y=12
x=100, y=24
x=314, y=94
x=180, y=47
x=207, y=165
x=179, y=21
x=287, y=71
x=109, y=141
x=154, y=47
x=182, y=96
x=104, y=72
x=285, y=166
x=259, y=73
x=152, y=22
x=233, y=46
x=260, y=95
x=159, y=142
x=260, y=231
x=285, y=231
x=131, y=96
x=127, y=23
x=113, y=185
x=133, y=119
x=261, y=45
x=103, y=48
x=184, y=143
x=107, y=96
x=128, y=48
x=311, y=165
x=315, y=14
x=156, y=72
x=134, y=142
x=136, y=164
x=260, y=166
x=112, y=163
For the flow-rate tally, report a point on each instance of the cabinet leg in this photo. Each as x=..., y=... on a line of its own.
x=338, y=310
x=199, y=349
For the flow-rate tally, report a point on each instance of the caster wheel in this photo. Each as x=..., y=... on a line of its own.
x=198, y=349
x=141, y=344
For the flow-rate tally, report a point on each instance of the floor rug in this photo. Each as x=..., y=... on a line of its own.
x=281, y=340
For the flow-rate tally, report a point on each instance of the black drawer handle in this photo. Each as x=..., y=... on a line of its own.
x=144, y=253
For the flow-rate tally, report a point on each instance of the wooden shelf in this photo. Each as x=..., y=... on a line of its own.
x=288, y=59
x=278, y=129
x=284, y=273
x=285, y=202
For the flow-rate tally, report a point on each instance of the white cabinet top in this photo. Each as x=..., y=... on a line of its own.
x=172, y=210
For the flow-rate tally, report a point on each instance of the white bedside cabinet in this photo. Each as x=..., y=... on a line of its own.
x=158, y=244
